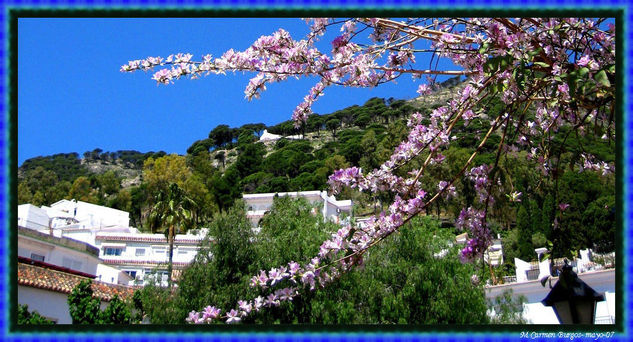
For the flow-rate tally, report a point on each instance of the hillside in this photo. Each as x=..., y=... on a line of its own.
x=231, y=161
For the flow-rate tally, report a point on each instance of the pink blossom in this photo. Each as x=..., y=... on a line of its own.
x=245, y=307
x=257, y=304
x=210, y=313
x=194, y=317
x=233, y=316
x=355, y=61
x=424, y=89
x=339, y=42
x=307, y=278
x=583, y=61
x=272, y=300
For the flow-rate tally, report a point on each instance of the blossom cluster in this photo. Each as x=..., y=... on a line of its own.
x=473, y=221
x=562, y=68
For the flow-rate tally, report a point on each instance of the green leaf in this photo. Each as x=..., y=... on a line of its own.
x=583, y=72
x=484, y=47
x=542, y=64
x=572, y=78
x=497, y=63
x=519, y=75
x=535, y=52
x=491, y=65
x=601, y=78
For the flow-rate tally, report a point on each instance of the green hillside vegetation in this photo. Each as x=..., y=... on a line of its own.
x=218, y=169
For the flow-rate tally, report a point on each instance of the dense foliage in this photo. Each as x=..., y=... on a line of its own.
x=401, y=282
x=507, y=309
x=84, y=308
x=34, y=317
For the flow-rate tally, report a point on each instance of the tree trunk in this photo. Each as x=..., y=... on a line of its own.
x=492, y=274
x=171, y=254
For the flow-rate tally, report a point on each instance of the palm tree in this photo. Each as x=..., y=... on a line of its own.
x=172, y=208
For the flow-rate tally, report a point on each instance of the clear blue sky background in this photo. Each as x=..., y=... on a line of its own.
x=72, y=97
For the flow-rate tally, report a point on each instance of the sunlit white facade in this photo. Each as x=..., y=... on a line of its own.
x=330, y=208
x=124, y=255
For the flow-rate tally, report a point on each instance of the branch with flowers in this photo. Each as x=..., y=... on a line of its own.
x=561, y=69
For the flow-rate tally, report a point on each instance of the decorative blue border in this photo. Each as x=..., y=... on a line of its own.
x=626, y=162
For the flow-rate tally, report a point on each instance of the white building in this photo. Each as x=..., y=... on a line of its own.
x=32, y=217
x=494, y=254
x=49, y=267
x=258, y=204
x=69, y=254
x=534, y=312
x=140, y=255
x=122, y=254
x=88, y=214
x=70, y=214
x=45, y=289
x=267, y=137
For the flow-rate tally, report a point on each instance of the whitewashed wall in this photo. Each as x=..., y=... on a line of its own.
x=58, y=255
x=30, y=216
x=50, y=304
x=113, y=275
x=92, y=215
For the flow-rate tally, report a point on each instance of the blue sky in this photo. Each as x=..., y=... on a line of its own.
x=72, y=97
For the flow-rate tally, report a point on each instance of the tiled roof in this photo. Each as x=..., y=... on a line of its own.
x=146, y=239
x=142, y=262
x=52, y=280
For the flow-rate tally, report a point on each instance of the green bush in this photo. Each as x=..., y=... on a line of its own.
x=85, y=309
x=26, y=317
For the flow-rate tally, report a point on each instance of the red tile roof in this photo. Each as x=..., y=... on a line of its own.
x=63, y=282
x=177, y=241
x=143, y=262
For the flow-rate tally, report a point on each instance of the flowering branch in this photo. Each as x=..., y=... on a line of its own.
x=562, y=69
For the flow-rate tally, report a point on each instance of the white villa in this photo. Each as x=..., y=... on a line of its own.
x=120, y=254
x=124, y=255
x=258, y=204
x=494, y=253
x=267, y=137
x=49, y=267
x=142, y=255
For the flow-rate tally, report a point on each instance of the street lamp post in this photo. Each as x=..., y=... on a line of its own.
x=573, y=301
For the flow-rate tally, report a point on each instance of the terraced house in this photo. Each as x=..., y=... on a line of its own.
x=49, y=267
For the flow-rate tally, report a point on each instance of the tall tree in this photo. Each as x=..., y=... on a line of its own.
x=172, y=208
x=82, y=191
x=333, y=125
x=221, y=135
x=160, y=172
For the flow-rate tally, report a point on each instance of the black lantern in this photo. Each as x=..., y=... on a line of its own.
x=573, y=301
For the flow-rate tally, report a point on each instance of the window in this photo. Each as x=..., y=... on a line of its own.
x=113, y=251
x=131, y=274
x=140, y=252
x=37, y=257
